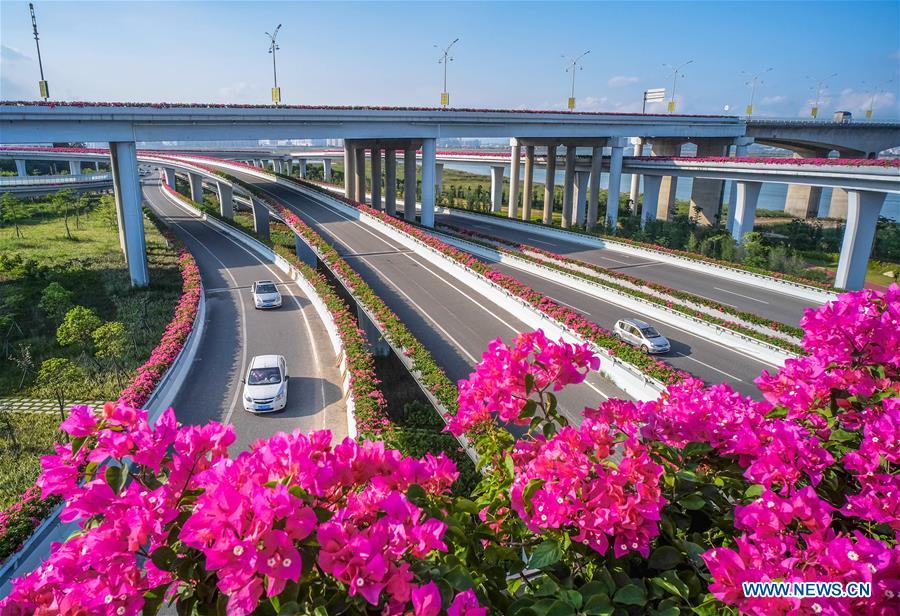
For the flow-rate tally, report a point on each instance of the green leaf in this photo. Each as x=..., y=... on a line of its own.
x=509, y=466
x=631, y=594
x=560, y=608
x=153, y=599
x=664, y=557
x=754, y=491
x=467, y=506
x=692, y=501
x=544, y=555
x=670, y=582
x=529, y=383
x=459, y=579
x=115, y=477
x=164, y=558
x=598, y=605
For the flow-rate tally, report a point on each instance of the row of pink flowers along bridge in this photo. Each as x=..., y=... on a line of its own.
x=662, y=507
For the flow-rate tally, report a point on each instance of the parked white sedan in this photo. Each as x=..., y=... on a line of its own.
x=266, y=385
x=265, y=294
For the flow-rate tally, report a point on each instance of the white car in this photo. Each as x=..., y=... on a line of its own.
x=266, y=385
x=265, y=294
x=641, y=335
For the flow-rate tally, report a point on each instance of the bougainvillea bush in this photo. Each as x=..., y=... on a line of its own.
x=662, y=507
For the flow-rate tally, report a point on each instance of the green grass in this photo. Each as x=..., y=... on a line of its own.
x=35, y=434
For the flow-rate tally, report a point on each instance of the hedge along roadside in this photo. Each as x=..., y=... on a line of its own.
x=366, y=407
x=634, y=287
x=640, y=375
x=796, y=286
x=152, y=387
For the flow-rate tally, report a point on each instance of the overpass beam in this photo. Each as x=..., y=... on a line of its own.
x=20, y=168
x=349, y=170
x=514, y=163
x=636, y=177
x=568, y=187
x=361, y=174
x=390, y=181
x=581, y=191
x=196, y=187
x=226, y=200
x=74, y=167
x=863, y=210
x=549, y=184
x=326, y=169
x=260, y=218
x=593, y=206
x=652, y=192
x=376, y=178
x=616, y=146
x=706, y=194
x=409, y=183
x=741, y=145
x=127, y=189
x=429, y=155
x=497, y=188
x=746, y=198
x=528, y=183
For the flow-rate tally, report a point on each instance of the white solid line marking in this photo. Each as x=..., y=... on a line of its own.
x=739, y=295
x=576, y=308
x=730, y=376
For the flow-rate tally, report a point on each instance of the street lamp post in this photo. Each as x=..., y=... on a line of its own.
x=42, y=84
x=753, y=83
x=675, y=71
x=574, y=67
x=444, y=59
x=820, y=84
x=875, y=92
x=273, y=47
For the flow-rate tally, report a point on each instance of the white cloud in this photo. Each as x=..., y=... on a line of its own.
x=773, y=100
x=859, y=102
x=10, y=54
x=240, y=92
x=622, y=80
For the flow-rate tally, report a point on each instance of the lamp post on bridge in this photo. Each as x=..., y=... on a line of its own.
x=444, y=59
x=675, y=74
x=42, y=84
x=574, y=67
x=876, y=91
x=273, y=47
x=819, y=87
x=753, y=83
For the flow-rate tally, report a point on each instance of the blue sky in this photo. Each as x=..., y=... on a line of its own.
x=509, y=53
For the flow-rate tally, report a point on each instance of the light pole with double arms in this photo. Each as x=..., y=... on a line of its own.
x=273, y=47
x=820, y=85
x=574, y=67
x=753, y=82
x=675, y=74
x=444, y=59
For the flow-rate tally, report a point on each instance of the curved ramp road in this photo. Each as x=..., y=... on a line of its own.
x=766, y=303
x=236, y=331
x=454, y=322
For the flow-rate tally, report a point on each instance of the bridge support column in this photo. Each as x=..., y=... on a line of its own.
x=549, y=184
x=579, y=211
x=361, y=174
x=260, y=218
x=803, y=201
x=666, y=205
x=170, y=176
x=636, y=177
x=376, y=178
x=439, y=178
x=390, y=181
x=127, y=188
x=652, y=191
x=839, y=204
x=528, y=183
x=514, y=162
x=746, y=198
x=349, y=171
x=74, y=167
x=593, y=206
x=429, y=154
x=616, y=146
x=96, y=165
x=196, y=187
x=301, y=168
x=326, y=170
x=226, y=200
x=20, y=168
x=863, y=209
x=409, y=184
x=706, y=194
x=741, y=144
x=496, y=188
x=568, y=187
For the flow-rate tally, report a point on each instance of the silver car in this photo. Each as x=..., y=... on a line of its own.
x=265, y=294
x=642, y=335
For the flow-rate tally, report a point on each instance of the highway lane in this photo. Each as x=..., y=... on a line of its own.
x=454, y=322
x=764, y=302
x=236, y=331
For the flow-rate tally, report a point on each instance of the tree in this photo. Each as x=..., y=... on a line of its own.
x=10, y=207
x=61, y=202
x=78, y=327
x=111, y=342
x=58, y=378
x=56, y=301
x=84, y=202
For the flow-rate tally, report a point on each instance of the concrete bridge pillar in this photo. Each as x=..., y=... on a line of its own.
x=652, y=192
x=74, y=167
x=349, y=171
x=802, y=201
x=301, y=168
x=376, y=178
x=429, y=154
x=616, y=146
x=568, y=187
x=96, y=165
x=514, y=162
x=390, y=181
x=593, y=205
x=439, y=178
x=706, y=194
x=127, y=189
x=196, y=187
x=20, y=168
x=496, y=188
x=260, y=218
x=741, y=145
x=666, y=205
x=746, y=198
x=579, y=211
x=838, y=206
x=528, y=183
x=549, y=184
x=226, y=200
x=326, y=169
x=361, y=174
x=863, y=210
x=169, y=172
x=636, y=177
x=409, y=184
